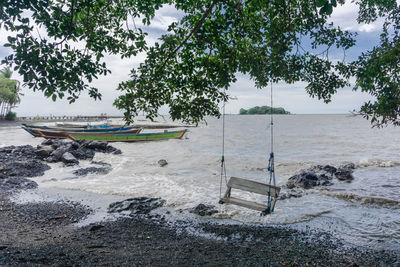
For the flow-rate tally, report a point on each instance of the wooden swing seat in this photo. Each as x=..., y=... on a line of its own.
x=250, y=186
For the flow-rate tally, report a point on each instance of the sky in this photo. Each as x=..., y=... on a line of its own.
x=292, y=97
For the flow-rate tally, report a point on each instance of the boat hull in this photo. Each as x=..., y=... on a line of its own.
x=62, y=135
x=31, y=131
x=78, y=130
x=117, y=137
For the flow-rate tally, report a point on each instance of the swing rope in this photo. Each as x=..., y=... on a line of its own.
x=271, y=166
x=223, y=168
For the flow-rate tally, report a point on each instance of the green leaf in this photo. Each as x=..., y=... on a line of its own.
x=323, y=10
x=321, y=3
x=329, y=9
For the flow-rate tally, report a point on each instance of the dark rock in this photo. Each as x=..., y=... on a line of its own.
x=83, y=153
x=56, y=155
x=329, y=168
x=82, y=142
x=50, y=160
x=69, y=159
x=344, y=175
x=316, y=176
x=100, y=163
x=31, y=168
x=95, y=227
x=56, y=143
x=18, y=162
x=319, y=176
x=290, y=194
x=44, y=151
x=20, y=153
x=85, y=171
x=20, y=183
x=305, y=179
x=97, y=145
x=75, y=145
x=113, y=150
x=138, y=205
x=27, y=150
x=162, y=162
x=48, y=142
x=204, y=210
x=349, y=166
x=7, y=149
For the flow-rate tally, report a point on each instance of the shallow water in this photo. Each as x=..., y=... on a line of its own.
x=365, y=211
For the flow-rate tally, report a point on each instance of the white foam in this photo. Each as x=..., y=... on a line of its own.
x=372, y=162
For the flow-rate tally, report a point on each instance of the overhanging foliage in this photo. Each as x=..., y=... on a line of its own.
x=192, y=66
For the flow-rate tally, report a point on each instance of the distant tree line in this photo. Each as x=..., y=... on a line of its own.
x=9, y=94
x=262, y=110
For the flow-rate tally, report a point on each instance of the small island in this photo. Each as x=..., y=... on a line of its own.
x=262, y=110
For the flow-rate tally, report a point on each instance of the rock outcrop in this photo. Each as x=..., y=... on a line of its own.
x=69, y=159
x=162, y=162
x=204, y=210
x=86, y=171
x=20, y=162
x=320, y=176
x=138, y=205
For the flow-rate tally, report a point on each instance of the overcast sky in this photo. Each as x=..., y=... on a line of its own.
x=292, y=97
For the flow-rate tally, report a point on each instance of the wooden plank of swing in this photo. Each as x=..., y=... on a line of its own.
x=252, y=186
x=244, y=203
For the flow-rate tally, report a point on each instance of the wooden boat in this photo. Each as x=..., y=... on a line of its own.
x=118, y=137
x=85, y=129
x=51, y=134
x=35, y=131
x=88, y=126
x=68, y=127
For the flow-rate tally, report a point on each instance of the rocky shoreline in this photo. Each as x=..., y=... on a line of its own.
x=45, y=233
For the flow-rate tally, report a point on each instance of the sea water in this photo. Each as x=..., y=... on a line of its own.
x=365, y=211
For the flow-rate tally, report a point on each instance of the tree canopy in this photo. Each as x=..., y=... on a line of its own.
x=192, y=66
x=9, y=92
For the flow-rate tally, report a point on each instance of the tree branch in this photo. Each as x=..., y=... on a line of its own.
x=195, y=29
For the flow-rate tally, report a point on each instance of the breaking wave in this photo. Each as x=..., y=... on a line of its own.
x=366, y=162
x=308, y=217
x=365, y=200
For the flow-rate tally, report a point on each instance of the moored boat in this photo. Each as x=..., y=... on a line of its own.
x=52, y=134
x=35, y=130
x=120, y=137
x=84, y=129
x=87, y=126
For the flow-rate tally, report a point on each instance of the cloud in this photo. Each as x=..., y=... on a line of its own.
x=367, y=28
x=162, y=19
x=346, y=15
